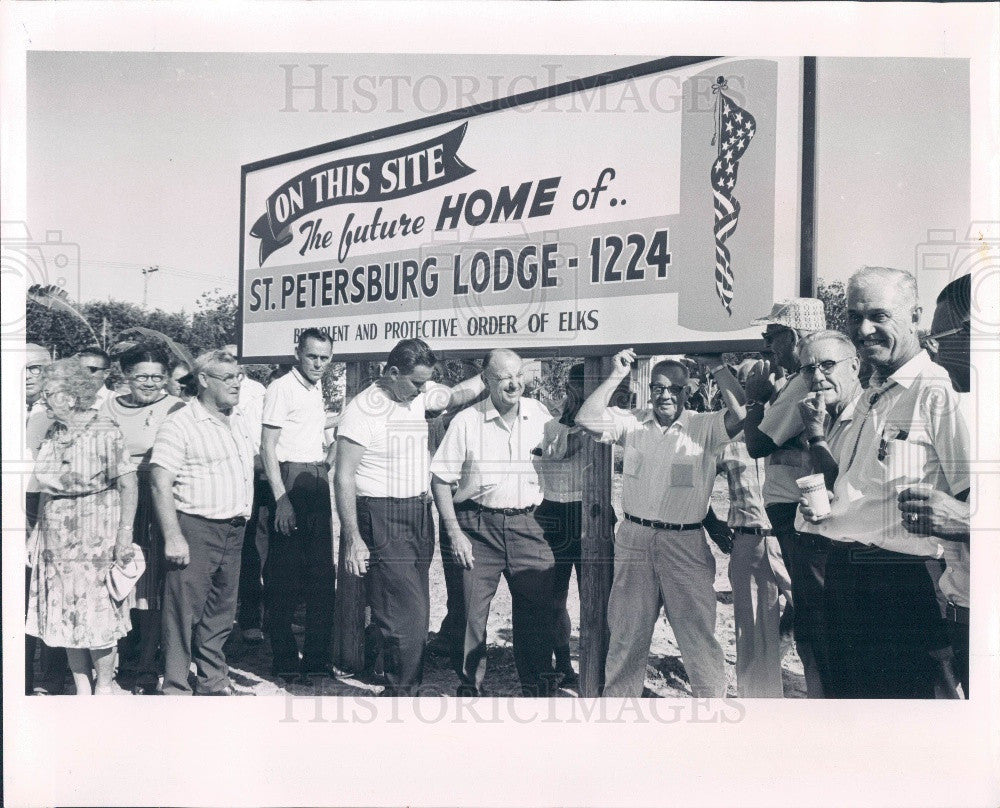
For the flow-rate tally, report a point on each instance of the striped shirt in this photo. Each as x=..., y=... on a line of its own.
x=668, y=472
x=212, y=463
x=746, y=478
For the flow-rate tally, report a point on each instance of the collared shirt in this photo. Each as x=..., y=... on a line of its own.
x=490, y=460
x=394, y=436
x=668, y=472
x=295, y=406
x=562, y=473
x=250, y=410
x=782, y=423
x=905, y=431
x=745, y=476
x=212, y=462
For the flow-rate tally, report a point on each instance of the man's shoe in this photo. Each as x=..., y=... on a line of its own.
x=569, y=679
x=322, y=669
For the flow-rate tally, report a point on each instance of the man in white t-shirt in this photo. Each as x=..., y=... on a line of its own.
x=300, y=555
x=381, y=486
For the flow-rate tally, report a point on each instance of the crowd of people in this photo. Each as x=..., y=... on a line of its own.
x=161, y=516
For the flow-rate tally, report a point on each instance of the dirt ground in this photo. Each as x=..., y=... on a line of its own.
x=665, y=676
x=250, y=663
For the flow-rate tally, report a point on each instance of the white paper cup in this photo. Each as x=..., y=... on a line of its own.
x=813, y=488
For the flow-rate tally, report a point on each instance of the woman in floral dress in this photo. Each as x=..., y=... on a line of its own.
x=138, y=414
x=88, y=499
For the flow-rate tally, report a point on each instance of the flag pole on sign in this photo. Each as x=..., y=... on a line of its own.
x=734, y=129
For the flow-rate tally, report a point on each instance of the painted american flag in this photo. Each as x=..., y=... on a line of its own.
x=736, y=128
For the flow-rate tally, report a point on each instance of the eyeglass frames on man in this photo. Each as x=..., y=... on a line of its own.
x=825, y=366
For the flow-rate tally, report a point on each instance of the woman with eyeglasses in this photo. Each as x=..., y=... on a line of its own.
x=88, y=500
x=138, y=414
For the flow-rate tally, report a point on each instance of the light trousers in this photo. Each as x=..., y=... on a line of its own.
x=757, y=574
x=678, y=567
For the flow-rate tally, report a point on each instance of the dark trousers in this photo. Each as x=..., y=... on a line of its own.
x=300, y=566
x=255, y=544
x=886, y=636
x=561, y=525
x=399, y=534
x=805, y=556
x=199, y=604
x=51, y=660
x=512, y=546
x=958, y=634
x=452, y=630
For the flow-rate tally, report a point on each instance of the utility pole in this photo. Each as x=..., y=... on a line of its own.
x=146, y=271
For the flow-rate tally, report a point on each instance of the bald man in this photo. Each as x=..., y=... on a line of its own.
x=492, y=453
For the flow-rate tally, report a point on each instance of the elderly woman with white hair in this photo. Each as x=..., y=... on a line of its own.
x=88, y=500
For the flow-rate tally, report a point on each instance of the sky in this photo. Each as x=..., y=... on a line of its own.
x=136, y=157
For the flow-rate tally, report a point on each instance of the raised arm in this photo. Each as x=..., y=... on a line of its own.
x=760, y=388
x=593, y=415
x=814, y=417
x=732, y=394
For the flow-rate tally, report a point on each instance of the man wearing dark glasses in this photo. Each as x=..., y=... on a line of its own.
x=773, y=430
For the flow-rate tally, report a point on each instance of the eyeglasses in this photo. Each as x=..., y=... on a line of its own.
x=92, y=369
x=34, y=370
x=825, y=366
x=658, y=389
x=770, y=336
x=142, y=378
x=232, y=377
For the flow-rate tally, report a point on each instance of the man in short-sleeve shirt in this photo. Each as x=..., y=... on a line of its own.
x=772, y=405
x=202, y=477
x=489, y=452
x=381, y=485
x=660, y=549
x=300, y=553
x=886, y=636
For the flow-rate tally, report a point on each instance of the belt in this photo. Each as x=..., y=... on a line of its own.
x=418, y=497
x=754, y=531
x=235, y=521
x=469, y=505
x=662, y=525
x=957, y=614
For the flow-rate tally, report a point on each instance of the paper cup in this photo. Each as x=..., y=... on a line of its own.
x=813, y=488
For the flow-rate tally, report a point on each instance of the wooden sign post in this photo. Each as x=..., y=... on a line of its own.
x=597, y=548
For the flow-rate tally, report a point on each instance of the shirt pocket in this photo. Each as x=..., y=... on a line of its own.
x=682, y=474
x=631, y=462
x=905, y=461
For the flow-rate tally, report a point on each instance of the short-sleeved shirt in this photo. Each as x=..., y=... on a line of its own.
x=492, y=461
x=295, y=406
x=212, y=462
x=394, y=435
x=81, y=460
x=139, y=424
x=905, y=431
x=668, y=472
x=745, y=478
x=562, y=473
x=782, y=423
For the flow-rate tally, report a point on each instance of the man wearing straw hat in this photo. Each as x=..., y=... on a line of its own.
x=773, y=430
